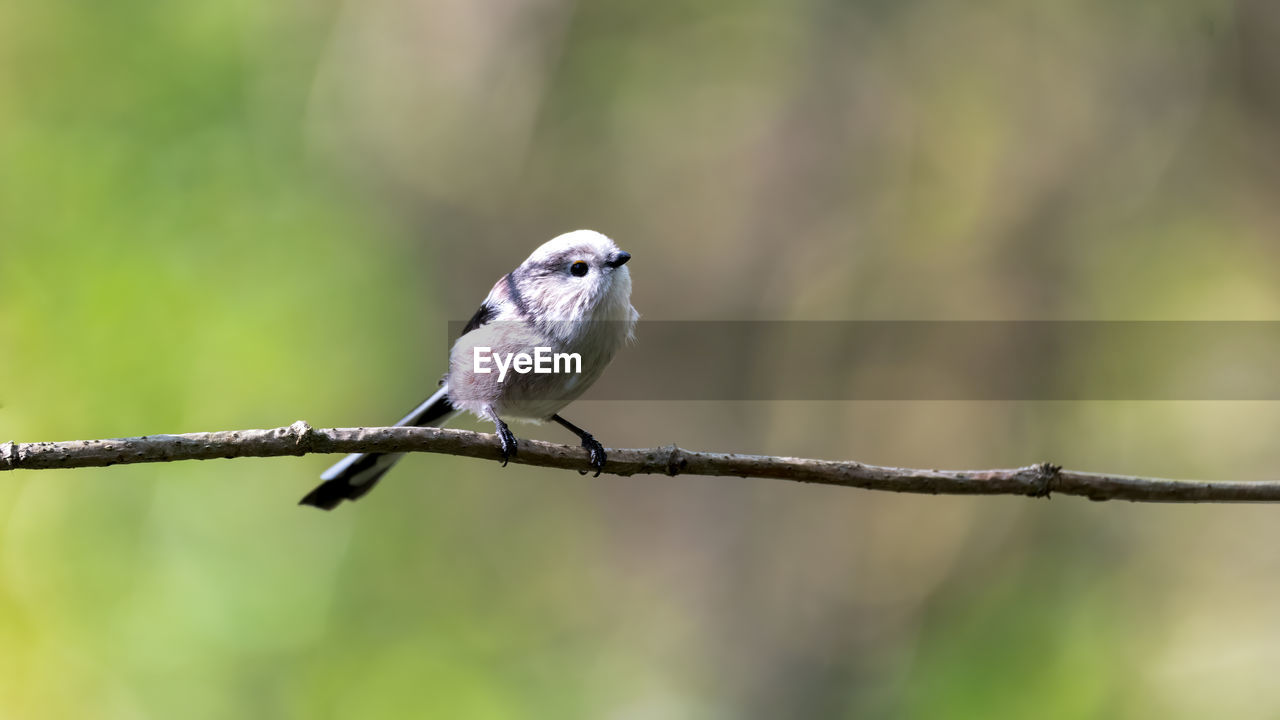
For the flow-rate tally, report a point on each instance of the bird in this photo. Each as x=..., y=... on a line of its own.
x=570, y=297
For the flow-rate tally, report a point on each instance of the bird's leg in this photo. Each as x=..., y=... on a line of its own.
x=508, y=442
x=595, y=451
x=505, y=437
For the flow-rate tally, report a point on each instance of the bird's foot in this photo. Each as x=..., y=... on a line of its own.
x=508, y=442
x=595, y=454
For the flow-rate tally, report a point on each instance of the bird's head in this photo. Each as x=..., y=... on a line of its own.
x=577, y=276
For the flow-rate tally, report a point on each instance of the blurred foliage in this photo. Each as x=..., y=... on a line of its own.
x=235, y=214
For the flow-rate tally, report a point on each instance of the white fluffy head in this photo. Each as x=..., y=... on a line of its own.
x=577, y=276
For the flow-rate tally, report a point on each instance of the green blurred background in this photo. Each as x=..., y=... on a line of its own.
x=219, y=215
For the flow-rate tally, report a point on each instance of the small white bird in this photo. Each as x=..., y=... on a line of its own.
x=572, y=296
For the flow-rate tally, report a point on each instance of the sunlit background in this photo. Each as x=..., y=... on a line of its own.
x=234, y=214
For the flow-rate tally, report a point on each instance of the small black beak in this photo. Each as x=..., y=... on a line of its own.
x=619, y=260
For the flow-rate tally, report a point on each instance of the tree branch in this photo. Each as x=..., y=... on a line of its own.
x=301, y=439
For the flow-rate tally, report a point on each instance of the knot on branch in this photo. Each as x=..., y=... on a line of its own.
x=303, y=437
x=1044, y=479
x=676, y=461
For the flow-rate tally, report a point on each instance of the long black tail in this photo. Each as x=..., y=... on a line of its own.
x=356, y=474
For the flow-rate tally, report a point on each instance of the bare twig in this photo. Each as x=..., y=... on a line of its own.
x=301, y=439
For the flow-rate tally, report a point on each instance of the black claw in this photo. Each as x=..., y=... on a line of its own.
x=595, y=454
x=508, y=442
x=595, y=451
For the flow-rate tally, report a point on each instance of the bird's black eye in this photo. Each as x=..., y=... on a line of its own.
x=579, y=268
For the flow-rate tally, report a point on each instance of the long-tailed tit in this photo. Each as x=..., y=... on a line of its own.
x=571, y=297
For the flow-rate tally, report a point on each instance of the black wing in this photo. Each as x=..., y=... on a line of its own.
x=482, y=316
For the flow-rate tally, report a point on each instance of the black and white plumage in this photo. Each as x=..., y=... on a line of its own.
x=572, y=295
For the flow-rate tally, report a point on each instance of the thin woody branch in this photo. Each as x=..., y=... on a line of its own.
x=301, y=439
